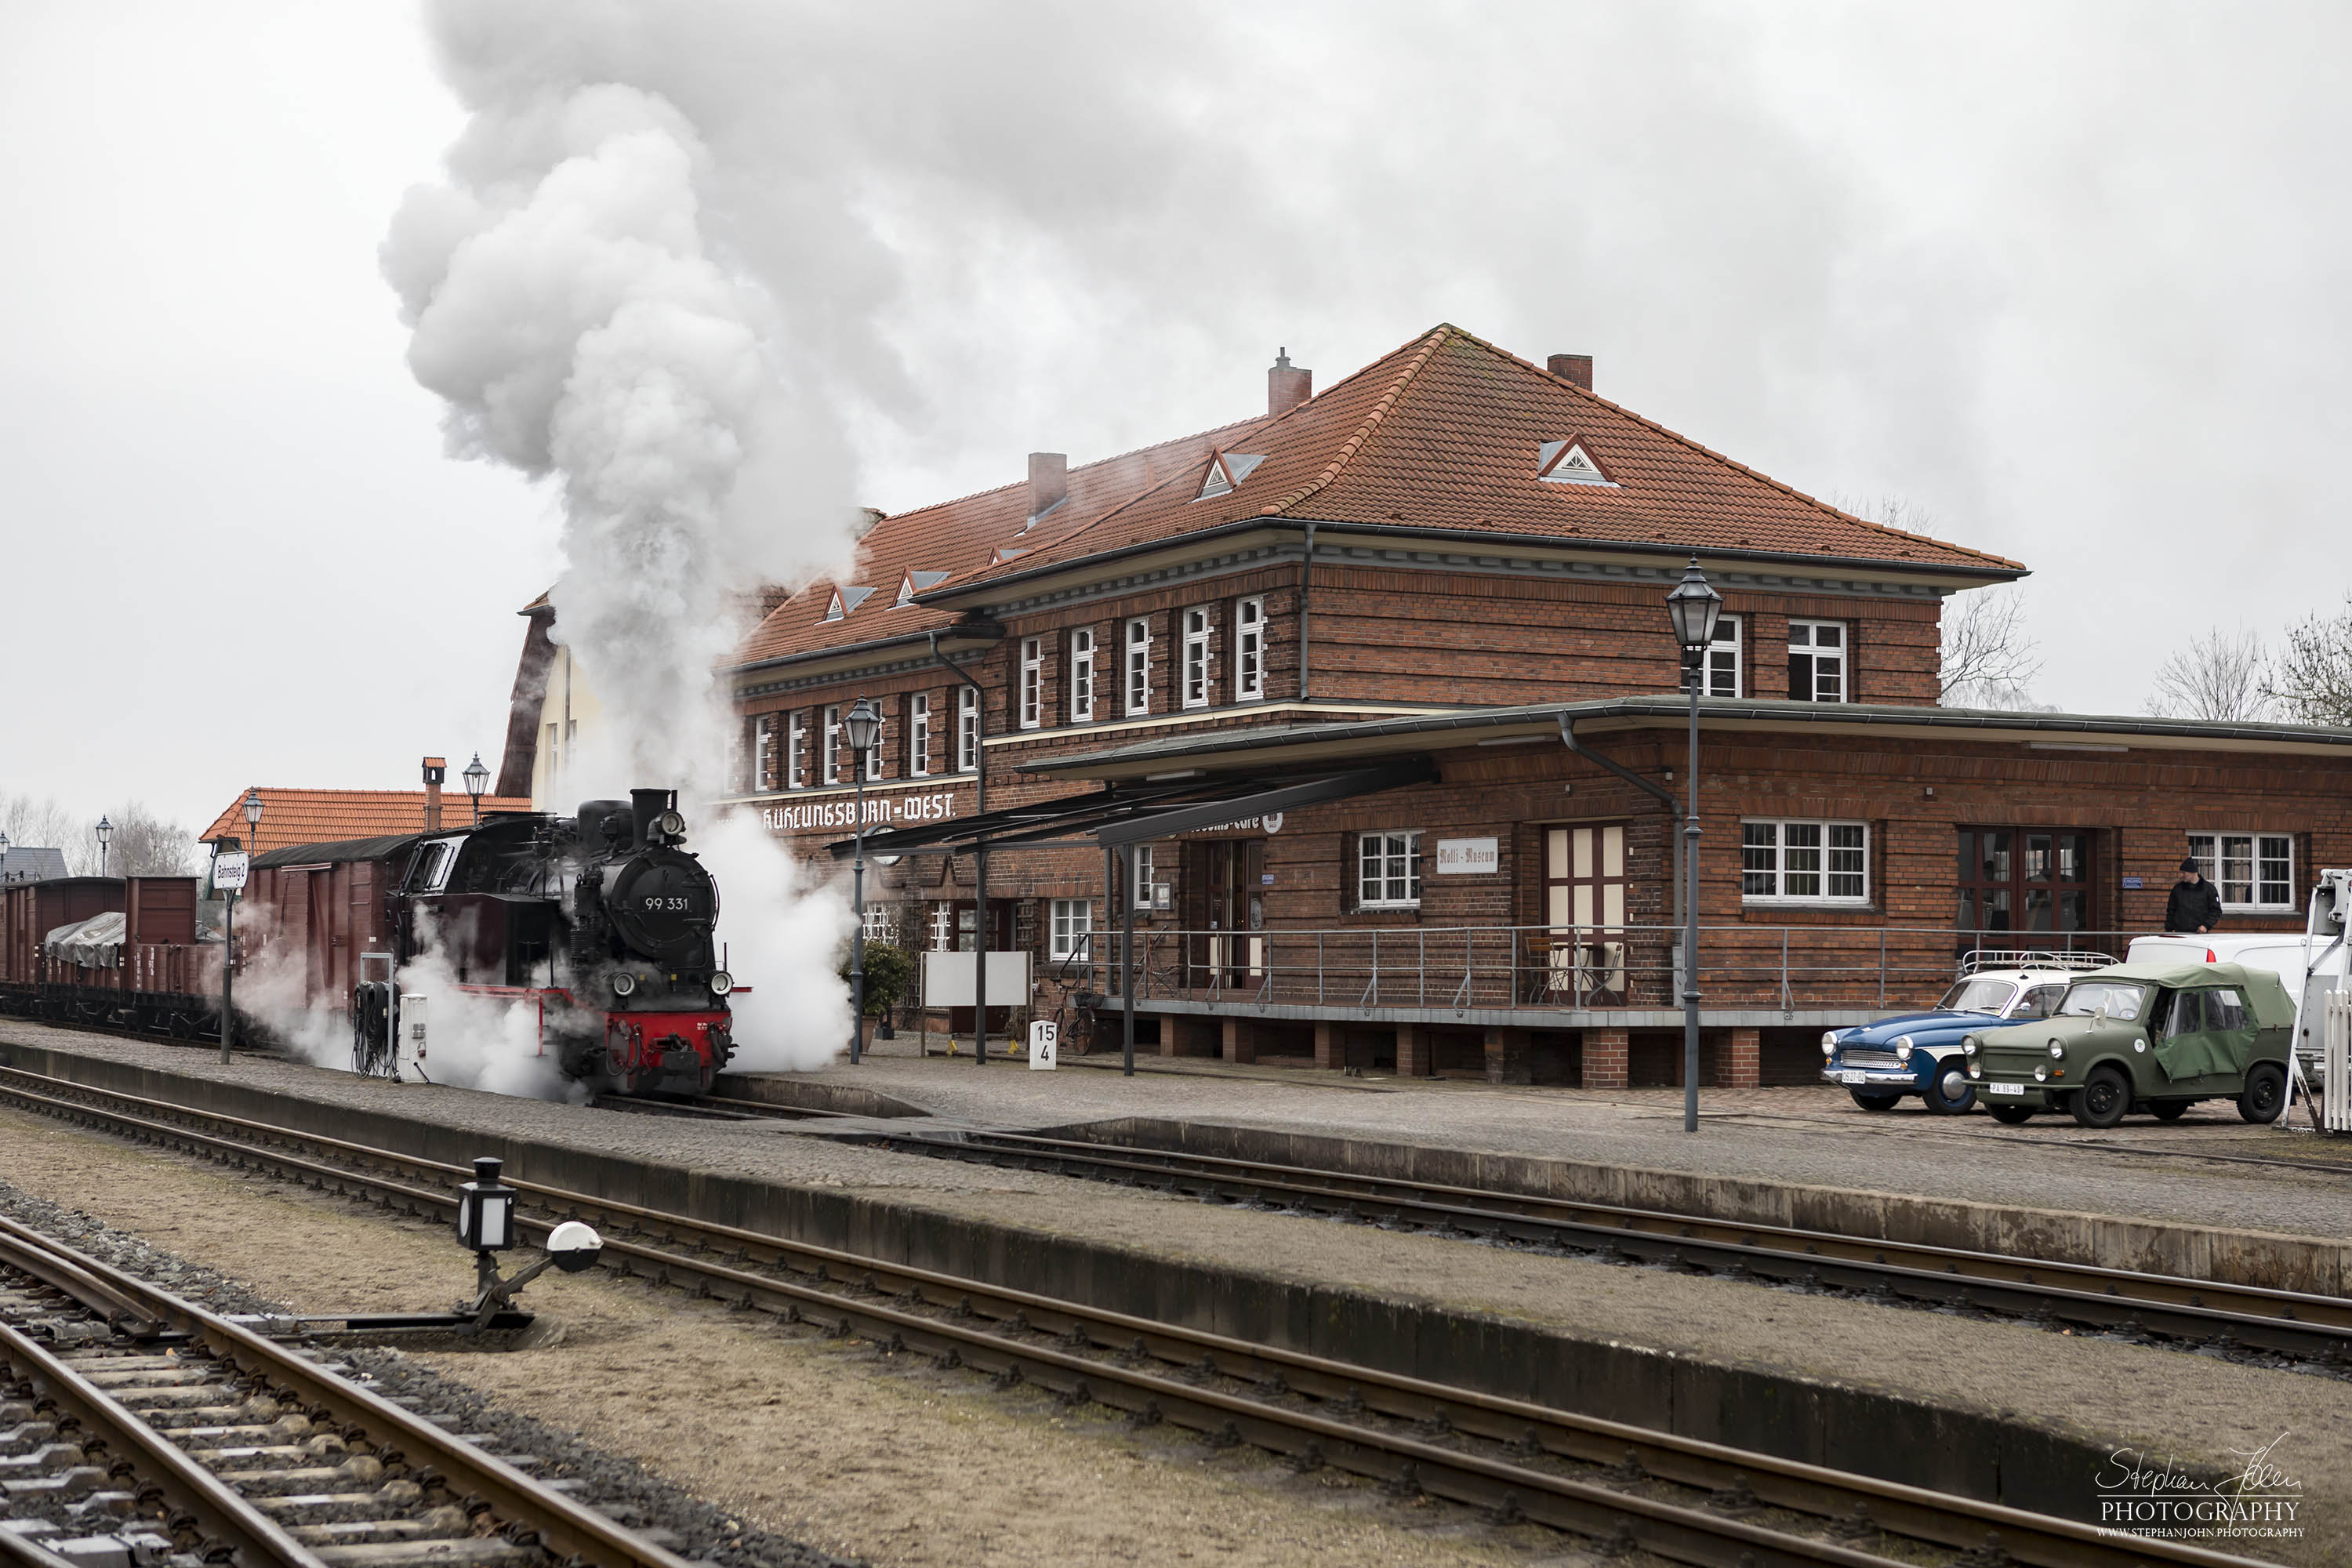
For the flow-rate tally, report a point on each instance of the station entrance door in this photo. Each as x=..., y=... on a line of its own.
x=1225, y=909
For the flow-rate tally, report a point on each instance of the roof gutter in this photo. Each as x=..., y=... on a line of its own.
x=947, y=595
x=977, y=637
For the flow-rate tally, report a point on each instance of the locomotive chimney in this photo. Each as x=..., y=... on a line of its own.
x=645, y=805
x=1286, y=385
x=435, y=770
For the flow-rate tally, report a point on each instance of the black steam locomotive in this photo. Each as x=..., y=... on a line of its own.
x=602, y=920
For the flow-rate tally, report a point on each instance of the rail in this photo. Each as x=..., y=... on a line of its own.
x=1786, y=968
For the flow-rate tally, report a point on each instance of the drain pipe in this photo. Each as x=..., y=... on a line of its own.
x=1305, y=582
x=1663, y=795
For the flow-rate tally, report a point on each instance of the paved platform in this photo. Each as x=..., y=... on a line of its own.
x=2094, y=1393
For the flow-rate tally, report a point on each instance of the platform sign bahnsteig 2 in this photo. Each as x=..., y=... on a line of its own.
x=229, y=871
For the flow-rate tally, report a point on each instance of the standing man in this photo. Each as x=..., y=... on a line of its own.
x=2195, y=907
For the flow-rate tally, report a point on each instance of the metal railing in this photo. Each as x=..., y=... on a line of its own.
x=1784, y=968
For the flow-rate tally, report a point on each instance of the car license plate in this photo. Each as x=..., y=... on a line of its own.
x=2005, y=1089
x=1851, y=1077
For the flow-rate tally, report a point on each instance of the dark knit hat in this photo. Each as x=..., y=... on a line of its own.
x=2189, y=865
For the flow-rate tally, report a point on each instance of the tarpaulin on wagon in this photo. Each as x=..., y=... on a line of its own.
x=93, y=943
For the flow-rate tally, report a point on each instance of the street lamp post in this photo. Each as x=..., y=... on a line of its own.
x=478, y=779
x=865, y=728
x=105, y=832
x=3, y=857
x=1693, y=606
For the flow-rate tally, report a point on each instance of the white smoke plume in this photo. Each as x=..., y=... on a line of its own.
x=572, y=305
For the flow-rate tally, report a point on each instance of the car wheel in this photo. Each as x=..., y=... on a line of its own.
x=2102, y=1099
x=1874, y=1101
x=2265, y=1087
x=2170, y=1109
x=2011, y=1115
x=1949, y=1092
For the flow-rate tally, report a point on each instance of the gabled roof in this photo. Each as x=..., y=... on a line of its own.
x=958, y=538
x=1447, y=434
x=291, y=817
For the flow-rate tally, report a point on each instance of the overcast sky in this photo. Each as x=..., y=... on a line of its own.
x=2070, y=280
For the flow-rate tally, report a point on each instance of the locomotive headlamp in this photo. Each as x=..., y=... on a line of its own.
x=1902, y=1047
x=625, y=983
x=721, y=983
x=672, y=826
x=486, y=1209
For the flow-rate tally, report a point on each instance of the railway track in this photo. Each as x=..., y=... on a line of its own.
x=2314, y=1330
x=1622, y=1487
x=138, y=1427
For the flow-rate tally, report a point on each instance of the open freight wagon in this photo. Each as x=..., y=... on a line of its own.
x=109, y=952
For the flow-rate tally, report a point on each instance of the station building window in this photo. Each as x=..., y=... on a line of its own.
x=1249, y=650
x=1139, y=667
x=1388, y=870
x=966, y=729
x=2251, y=870
x=833, y=744
x=1069, y=932
x=796, y=749
x=1817, y=662
x=1143, y=877
x=1082, y=675
x=1723, y=660
x=1033, y=682
x=1784, y=862
x=1196, y=658
x=919, y=735
x=763, y=752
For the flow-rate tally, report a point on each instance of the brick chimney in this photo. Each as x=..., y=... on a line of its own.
x=435, y=770
x=1286, y=385
x=1049, y=481
x=1577, y=368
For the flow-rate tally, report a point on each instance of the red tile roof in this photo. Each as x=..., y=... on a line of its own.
x=1443, y=434
x=291, y=817
x=961, y=537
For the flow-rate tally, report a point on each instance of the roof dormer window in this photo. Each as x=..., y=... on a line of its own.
x=1568, y=463
x=914, y=583
x=1227, y=471
x=843, y=601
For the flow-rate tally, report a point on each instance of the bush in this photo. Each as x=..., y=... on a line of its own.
x=889, y=976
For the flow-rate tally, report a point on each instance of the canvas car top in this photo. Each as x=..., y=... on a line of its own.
x=2273, y=1008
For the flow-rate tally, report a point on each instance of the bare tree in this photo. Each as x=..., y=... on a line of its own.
x=2311, y=679
x=144, y=845
x=44, y=824
x=1988, y=657
x=2220, y=675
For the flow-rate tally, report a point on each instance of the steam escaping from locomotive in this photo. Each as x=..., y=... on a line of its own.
x=569, y=302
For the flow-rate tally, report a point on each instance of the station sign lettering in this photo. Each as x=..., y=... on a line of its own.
x=230, y=869
x=1467, y=857
x=881, y=811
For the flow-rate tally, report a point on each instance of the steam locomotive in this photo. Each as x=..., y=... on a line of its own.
x=601, y=921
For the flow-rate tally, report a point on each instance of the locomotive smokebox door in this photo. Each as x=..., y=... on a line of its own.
x=1044, y=1045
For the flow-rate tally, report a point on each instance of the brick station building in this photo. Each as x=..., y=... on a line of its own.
x=1379, y=688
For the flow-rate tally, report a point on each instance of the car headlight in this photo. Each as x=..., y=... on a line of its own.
x=625, y=983
x=1902, y=1047
x=2057, y=1051
x=721, y=983
x=2041, y=1075
x=1829, y=1043
x=1975, y=1070
x=1969, y=1045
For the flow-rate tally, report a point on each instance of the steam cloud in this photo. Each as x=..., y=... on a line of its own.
x=569, y=302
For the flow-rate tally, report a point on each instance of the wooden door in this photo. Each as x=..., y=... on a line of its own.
x=2018, y=887
x=1584, y=908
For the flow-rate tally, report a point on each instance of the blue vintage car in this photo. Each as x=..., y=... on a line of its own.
x=1919, y=1053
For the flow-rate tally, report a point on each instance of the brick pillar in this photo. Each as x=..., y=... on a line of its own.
x=1413, y=1051
x=1240, y=1042
x=1507, y=1056
x=1740, y=1065
x=1330, y=1051
x=1605, y=1057
x=1171, y=1032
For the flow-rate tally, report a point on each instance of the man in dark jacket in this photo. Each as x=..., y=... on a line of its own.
x=2194, y=905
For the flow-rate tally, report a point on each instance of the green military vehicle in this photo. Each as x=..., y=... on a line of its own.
x=2142, y=1037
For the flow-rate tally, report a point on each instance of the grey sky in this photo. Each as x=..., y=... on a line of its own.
x=2072, y=280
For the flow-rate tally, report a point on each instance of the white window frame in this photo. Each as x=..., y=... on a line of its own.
x=832, y=744
x=796, y=747
x=1810, y=649
x=1387, y=869
x=1142, y=891
x=919, y=735
x=1249, y=649
x=1726, y=657
x=874, y=753
x=2254, y=849
x=966, y=729
x=1811, y=861
x=941, y=927
x=1070, y=930
x=882, y=924
x=1033, y=682
x=1082, y=675
x=763, y=749
x=1136, y=665
x=1196, y=657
